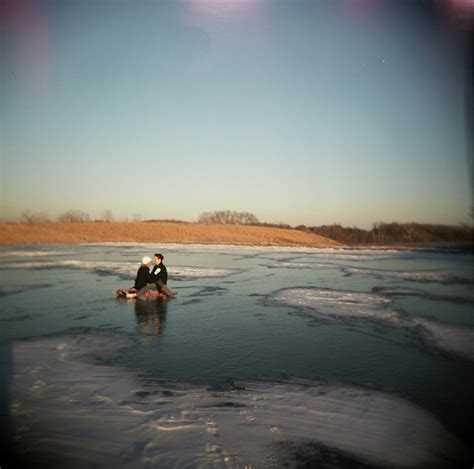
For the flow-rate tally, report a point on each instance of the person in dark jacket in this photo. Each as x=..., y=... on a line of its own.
x=159, y=274
x=144, y=281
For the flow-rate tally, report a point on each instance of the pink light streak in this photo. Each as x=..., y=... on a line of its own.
x=223, y=8
x=25, y=26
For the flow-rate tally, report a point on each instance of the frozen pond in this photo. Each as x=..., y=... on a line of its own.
x=269, y=357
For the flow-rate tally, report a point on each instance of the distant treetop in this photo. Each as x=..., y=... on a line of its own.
x=228, y=217
x=74, y=216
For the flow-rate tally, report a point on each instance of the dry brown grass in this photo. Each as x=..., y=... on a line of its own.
x=156, y=232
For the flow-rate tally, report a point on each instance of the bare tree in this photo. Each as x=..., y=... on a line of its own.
x=227, y=217
x=107, y=215
x=74, y=216
x=34, y=217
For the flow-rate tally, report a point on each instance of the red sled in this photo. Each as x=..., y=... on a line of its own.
x=132, y=293
x=152, y=294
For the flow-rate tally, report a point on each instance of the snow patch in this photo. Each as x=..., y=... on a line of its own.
x=28, y=253
x=179, y=425
x=339, y=305
x=415, y=276
x=125, y=269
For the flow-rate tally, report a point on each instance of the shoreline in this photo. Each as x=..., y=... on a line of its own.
x=56, y=233
x=408, y=235
x=460, y=247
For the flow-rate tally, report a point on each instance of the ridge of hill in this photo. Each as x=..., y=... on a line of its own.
x=157, y=232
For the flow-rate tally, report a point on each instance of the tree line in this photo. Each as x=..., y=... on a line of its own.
x=389, y=233
x=223, y=217
x=380, y=233
x=69, y=216
x=227, y=217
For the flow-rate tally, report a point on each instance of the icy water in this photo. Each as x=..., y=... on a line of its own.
x=269, y=357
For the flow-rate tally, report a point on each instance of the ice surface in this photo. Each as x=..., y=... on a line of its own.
x=415, y=292
x=303, y=265
x=337, y=304
x=440, y=276
x=214, y=248
x=125, y=269
x=14, y=289
x=334, y=302
x=458, y=340
x=32, y=253
x=270, y=252
x=187, y=272
x=71, y=410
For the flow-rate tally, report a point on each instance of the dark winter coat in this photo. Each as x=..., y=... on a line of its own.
x=143, y=277
x=161, y=275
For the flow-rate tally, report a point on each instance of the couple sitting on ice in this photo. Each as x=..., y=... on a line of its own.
x=155, y=280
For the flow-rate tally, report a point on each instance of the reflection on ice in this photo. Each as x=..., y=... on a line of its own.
x=150, y=314
x=337, y=305
x=70, y=410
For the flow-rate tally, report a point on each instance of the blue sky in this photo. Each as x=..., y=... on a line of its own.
x=298, y=111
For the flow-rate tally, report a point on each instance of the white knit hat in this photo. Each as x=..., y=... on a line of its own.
x=146, y=260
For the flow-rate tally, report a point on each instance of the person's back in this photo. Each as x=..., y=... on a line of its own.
x=143, y=274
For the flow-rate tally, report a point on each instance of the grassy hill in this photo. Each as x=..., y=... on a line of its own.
x=157, y=232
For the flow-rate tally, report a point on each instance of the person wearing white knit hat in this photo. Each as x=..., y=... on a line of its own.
x=143, y=281
x=146, y=260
